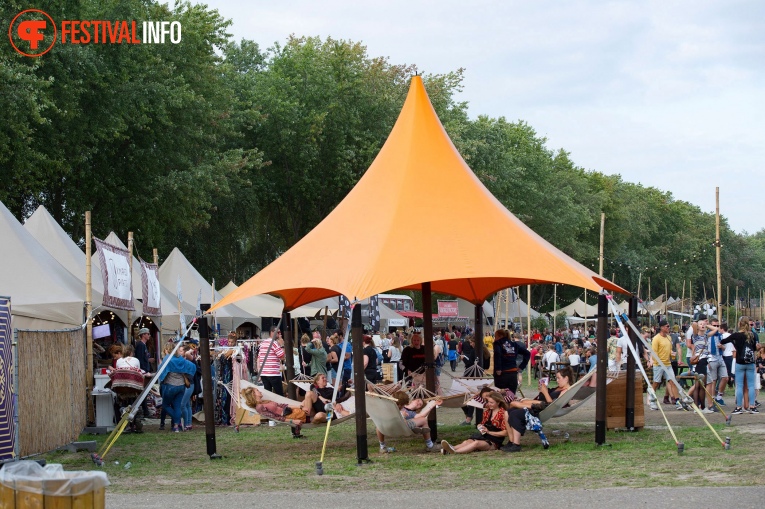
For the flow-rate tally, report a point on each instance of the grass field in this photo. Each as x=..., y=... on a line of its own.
x=266, y=458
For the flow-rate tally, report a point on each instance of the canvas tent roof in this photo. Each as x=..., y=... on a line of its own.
x=44, y=295
x=579, y=308
x=177, y=265
x=516, y=310
x=267, y=305
x=417, y=166
x=59, y=245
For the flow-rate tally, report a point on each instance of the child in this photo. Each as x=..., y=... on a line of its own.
x=415, y=413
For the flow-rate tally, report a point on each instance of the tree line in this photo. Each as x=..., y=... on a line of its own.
x=233, y=152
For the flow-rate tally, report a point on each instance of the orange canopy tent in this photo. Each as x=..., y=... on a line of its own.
x=429, y=195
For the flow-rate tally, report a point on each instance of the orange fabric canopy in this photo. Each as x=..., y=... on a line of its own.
x=398, y=227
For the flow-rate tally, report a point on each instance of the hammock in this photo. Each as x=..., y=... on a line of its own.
x=473, y=379
x=388, y=420
x=268, y=395
x=450, y=398
x=561, y=406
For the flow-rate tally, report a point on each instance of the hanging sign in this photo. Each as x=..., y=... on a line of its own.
x=345, y=307
x=448, y=308
x=374, y=313
x=151, y=291
x=115, y=272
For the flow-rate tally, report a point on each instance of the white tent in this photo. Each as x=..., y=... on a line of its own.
x=468, y=309
x=518, y=311
x=59, y=245
x=177, y=265
x=44, y=295
x=579, y=308
x=168, y=301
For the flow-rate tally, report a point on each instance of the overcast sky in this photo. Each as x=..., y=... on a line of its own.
x=668, y=94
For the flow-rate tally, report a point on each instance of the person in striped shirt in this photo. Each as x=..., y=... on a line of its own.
x=271, y=370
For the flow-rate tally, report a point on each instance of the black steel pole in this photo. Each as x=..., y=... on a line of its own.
x=600, y=397
x=207, y=389
x=629, y=421
x=430, y=366
x=359, y=384
x=479, y=334
x=289, y=359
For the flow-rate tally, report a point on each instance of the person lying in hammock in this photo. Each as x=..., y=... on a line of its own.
x=293, y=414
x=415, y=413
x=315, y=402
x=491, y=432
x=517, y=409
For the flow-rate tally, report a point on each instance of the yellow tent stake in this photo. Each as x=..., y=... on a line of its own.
x=120, y=429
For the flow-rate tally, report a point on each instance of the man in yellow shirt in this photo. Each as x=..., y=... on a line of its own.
x=661, y=344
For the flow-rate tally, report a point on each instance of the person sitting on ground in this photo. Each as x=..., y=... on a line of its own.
x=491, y=432
x=415, y=413
x=517, y=409
x=293, y=414
x=315, y=402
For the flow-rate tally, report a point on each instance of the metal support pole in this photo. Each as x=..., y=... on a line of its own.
x=289, y=359
x=630, y=398
x=600, y=396
x=359, y=383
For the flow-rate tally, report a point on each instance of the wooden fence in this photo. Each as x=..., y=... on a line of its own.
x=52, y=392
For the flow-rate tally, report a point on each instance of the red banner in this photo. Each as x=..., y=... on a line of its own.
x=448, y=308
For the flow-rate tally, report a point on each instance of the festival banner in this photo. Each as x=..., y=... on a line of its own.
x=448, y=308
x=7, y=402
x=344, y=307
x=115, y=272
x=150, y=289
x=374, y=313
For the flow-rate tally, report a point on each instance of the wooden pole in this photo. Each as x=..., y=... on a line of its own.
x=430, y=367
x=507, y=308
x=666, y=297
x=555, y=307
x=649, y=300
x=717, y=248
x=89, y=322
x=682, y=302
x=736, y=307
x=158, y=350
x=357, y=333
x=602, y=237
x=600, y=375
x=291, y=338
x=727, y=305
x=585, y=312
x=528, y=323
x=130, y=263
x=498, y=308
x=640, y=280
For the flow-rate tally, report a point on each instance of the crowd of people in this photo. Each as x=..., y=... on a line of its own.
x=716, y=359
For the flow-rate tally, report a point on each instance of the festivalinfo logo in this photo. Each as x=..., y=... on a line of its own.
x=33, y=32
